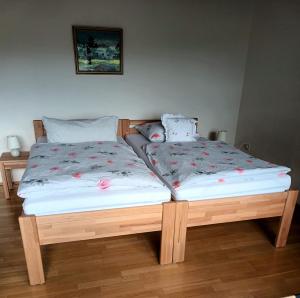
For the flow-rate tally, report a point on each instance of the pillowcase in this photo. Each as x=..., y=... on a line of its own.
x=77, y=131
x=154, y=131
x=178, y=128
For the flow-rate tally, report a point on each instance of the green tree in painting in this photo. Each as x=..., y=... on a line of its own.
x=89, y=46
x=99, y=50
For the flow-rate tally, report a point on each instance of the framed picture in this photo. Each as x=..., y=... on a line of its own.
x=98, y=50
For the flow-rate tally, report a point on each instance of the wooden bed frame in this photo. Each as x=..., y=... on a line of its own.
x=207, y=212
x=37, y=231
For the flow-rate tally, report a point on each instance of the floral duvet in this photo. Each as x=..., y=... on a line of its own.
x=105, y=166
x=208, y=163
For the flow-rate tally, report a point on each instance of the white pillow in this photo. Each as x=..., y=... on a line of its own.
x=76, y=131
x=178, y=128
x=154, y=131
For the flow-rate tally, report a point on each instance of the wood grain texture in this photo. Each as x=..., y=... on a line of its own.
x=9, y=179
x=132, y=123
x=182, y=208
x=51, y=229
x=216, y=211
x=125, y=127
x=32, y=249
x=98, y=224
x=222, y=260
x=5, y=183
x=286, y=219
x=167, y=235
x=208, y=212
x=39, y=129
x=8, y=163
x=8, y=158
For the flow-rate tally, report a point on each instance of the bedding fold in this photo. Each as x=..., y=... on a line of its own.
x=208, y=164
x=56, y=168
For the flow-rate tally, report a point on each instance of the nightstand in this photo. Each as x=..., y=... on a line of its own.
x=8, y=163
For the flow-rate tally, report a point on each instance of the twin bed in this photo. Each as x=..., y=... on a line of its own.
x=257, y=192
x=130, y=198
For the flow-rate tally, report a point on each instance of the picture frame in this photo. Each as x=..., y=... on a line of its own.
x=98, y=50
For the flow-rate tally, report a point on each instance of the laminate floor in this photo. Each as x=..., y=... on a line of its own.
x=224, y=260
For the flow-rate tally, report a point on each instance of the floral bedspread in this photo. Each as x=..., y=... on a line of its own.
x=101, y=165
x=206, y=162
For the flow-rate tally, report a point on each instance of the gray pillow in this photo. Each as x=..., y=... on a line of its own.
x=154, y=131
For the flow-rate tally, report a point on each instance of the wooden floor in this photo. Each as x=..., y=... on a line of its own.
x=225, y=260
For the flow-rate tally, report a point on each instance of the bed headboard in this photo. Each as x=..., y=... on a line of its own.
x=130, y=127
x=39, y=130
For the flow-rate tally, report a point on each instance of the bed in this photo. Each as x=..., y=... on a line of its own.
x=212, y=208
x=39, y=228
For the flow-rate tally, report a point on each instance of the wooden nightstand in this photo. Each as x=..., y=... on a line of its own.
x=8, y=163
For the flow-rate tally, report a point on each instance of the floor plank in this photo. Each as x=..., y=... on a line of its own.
x=225, y=260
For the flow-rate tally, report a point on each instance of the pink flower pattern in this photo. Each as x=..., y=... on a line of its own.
x=155, y=136
x=76, y=175
x=282, y=174
x=53, y=169
x=177, y=162
x=240, y=170
x=103, y=184
x=72, y=154
x=83, y=164
x=176, y=184
x=195, y=157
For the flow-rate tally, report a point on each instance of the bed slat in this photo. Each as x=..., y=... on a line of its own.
x=235, y=209
x=98, y=224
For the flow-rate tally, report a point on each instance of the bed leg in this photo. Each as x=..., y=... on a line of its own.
x=286, y=219
x=167, y=233
x=9, y=179
x=180, y=231
x=32, y=249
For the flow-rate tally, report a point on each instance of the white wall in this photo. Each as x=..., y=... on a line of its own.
x=179, y=56
x=269, y=116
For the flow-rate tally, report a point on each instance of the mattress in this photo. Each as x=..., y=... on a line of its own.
x=49, y=204
x=106, y=176
x=256, y=181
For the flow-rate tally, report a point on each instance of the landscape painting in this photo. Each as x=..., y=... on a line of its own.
x=98, y=50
